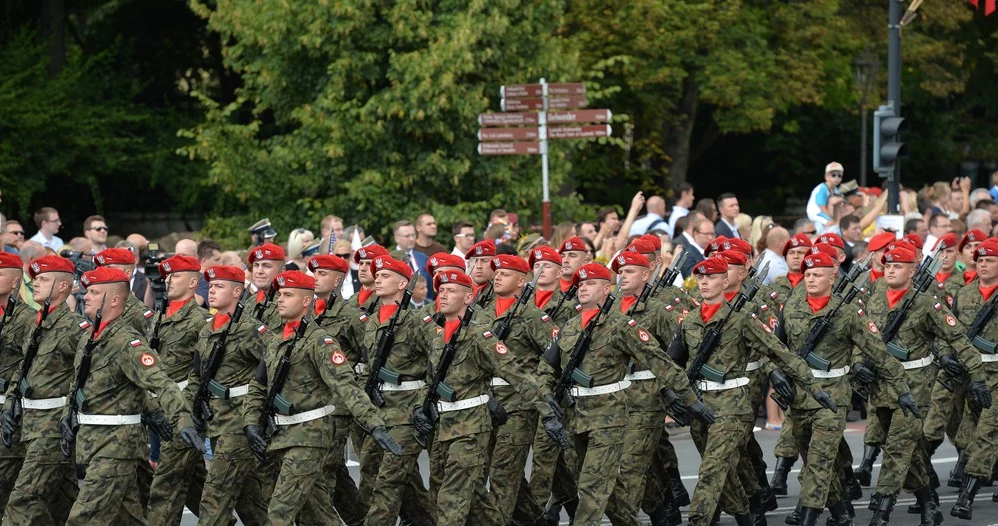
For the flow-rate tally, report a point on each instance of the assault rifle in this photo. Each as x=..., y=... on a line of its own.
x=262, y=307
x=645, y=293
x=154, y=338
x=379, y=373
x=276, y=403
x=571, y=372
x=671, y=272
x=7, y=313
x=209, y=386
x=506, y=322
x=78, y=400
x=23, y=388
x=438, y=389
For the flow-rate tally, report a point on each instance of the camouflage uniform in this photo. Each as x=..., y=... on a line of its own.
x=946, y=407
x=319, y=376
x=16, y=331
x=179, y=477
x=46, y=486
x=270, y=318
x=139, y=317
x=982, y=452
x=786, y=445
x=598, y=422
x=236, y=480
x=123, y=369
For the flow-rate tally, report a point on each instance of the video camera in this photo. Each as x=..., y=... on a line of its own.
x=151, y=258
x=82, y=262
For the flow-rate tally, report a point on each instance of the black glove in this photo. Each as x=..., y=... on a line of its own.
x=199, y=424
x=781, y=385
x=9, y=426
x=192, y=438
x=825, y=399
x=951, y=365
x=556, y=431
x=497, y=412
x=257, y=442
x=157, y=422
x=863, y=372
x=68, y=435
x=980, y=391
x=554, y=405
x=908, y=406
x=421, y=421
x=702, y=412
x=383, y=439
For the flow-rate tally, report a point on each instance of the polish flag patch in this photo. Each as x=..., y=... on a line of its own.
x=363, y=317
x=84, y=324
x=545, y=317
x=632, y=323
x=487, y=334
x=261, y=329
x=328, y=341
x=135, y=343
x=147, y=314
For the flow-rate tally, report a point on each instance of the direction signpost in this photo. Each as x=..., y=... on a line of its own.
x=525, y=126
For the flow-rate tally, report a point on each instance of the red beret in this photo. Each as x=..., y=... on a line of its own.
x=824, y=248
x=715, y=245
x=50, y=264
x=328, y=262
x=392, y=264
x=654, y=240
x=947, y=241
x=456, y=277
x=833, y=239
x=988, y=247
x=482, y=249
x=629, y=258
x=817, y=260
x=642, y=246
x=915, y=240
x=8, y=260
x=102, y=275
x=711, y=266
x=973, y=236
x=732, y=257
x=510, y=262
x=738, y=244
x=225, y=273
x=900, y=244
x=574, y=243
x=879, y=241
x=114, y=256
x=590, y=271
x=797, y=241
x=369, y=252
x=442, y=260
x=178, y=263
x=294, y=279
x=544, y=253
x=266, y=251
x=898, y=255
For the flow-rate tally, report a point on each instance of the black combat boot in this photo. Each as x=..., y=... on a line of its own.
x=874, y=502
x=916, y=508
x=882, y=515
x=931, y=515
x=793, y=518
x=958, y=474
x=782, y=470
x=840, y=516
x=864, y=473
x=570, y=508
x=809, y=516
x=744, y=520
x=768, y=496
x=757, y=510
x=667, y=513
x=679, y=494
x=964, y=507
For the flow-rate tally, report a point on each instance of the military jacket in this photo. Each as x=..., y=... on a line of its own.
x=485, y=295
x=479, y=357
x=783, y=289
x=616, y=342
x=529, y=335
x=52, y=369
x=122, y=369
x=346, y=325
x=319, y=375
x=407, y=357
x=661, y=320
x=850, y=329
x=137, y=314
x=244, y=348
x=927, y=320
x=968, y=302
x=369, y=306
x=559, y=315
x=677, y=297
x=16, y=331
x=178, y=336
x=270, y=318
x=947, y=290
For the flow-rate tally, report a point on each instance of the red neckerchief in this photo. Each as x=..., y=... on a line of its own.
x=320, y=305
x=986, y=292
x=100, y=330
x=38, y=317
x=875, y=275
x=818, y=303
x=289, y=329
x=450, y=327
x=175, y=306
x=219, y=320
x=542, y=297
x=385, y=311
x=627, y=303
x=503, y=304
x=261, y=295
x=362, y=295
x=565, y=285
x=728, y=296
x=588, y=315
x=708, y=310
x=941, y=277
x=794, y=278
x=894, y=296
x=968, y=276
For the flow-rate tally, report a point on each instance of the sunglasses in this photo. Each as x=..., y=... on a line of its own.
x=810, y=232
x=17, y=233
x=99, y=228
x=344, y=256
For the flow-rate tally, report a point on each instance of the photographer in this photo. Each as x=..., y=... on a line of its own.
x=138, y=282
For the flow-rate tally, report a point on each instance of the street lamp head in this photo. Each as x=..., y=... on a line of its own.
x=863, y=68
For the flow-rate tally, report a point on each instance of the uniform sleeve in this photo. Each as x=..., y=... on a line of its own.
x=868, y=344
x=515, y=369
x=760, y=336
x=142, y=366
x=257, y=391
x=948, y=329
x=332, y=364
x=645, y=350
x=547, y=374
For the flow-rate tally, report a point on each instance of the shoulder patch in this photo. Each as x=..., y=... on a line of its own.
x=554, y=332
x=135, y=343
x=261, y=329
x=763, y=307
x=949, y=300
x=632, y=323
x=427, y=319
x=328, y=341
x=668, y=308
x=937, y=306
x=84, y=324
x=774, y=295
x=950, y=320
x=147, y=359
x=545, y=317
x=644, y=336
x=338, y=358
x=860, y=312
x=363, y=317
x=501, y=348
x=147, y=314
x=765, y=327
x=578, y=307
x=487, y=334
x=872, y=326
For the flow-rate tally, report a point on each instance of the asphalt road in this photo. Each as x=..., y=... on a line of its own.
x=985, y=511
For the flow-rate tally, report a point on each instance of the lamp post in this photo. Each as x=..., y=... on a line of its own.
x=865, y=75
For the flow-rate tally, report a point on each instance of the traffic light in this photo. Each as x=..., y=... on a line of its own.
x=887, y=146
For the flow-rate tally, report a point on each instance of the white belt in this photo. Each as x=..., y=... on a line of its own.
x=411, y=385
x=360, y=368
x=600, y=389
x=181, y=386
x=108, y=420
x=239, y=390
x=753, y=366
x=639, y=375
x=467, y=403
x=985, y=358
x=44, y=403
x=498, y=382
x=833, y=373
x=298, y=418
x=3, y=398
x=707, y=385
x=917, y=364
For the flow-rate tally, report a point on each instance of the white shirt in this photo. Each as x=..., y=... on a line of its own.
x=457, y=252
x=55, y=243
x=677, y=212
x=777, y=265
x=640, y=226
x=693, y=243
x=733, y=227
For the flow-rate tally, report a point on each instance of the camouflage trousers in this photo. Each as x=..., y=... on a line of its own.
x=109, y=494
x=10, y=467
x=397, y=487
x=657, y=481
x=819, y=434
x=457, y=477
x=45, y=487
x=752, y=464
x=718, y=444
x=904, y=458
x=509, y=453
x=983, y=450
x=641, y=437
x=552, y=472
x=346, y=496
x=178, y=481
x=786, y=445
x=945, y=414
x=597, y=454
x=236, y=481
x=300, y=488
